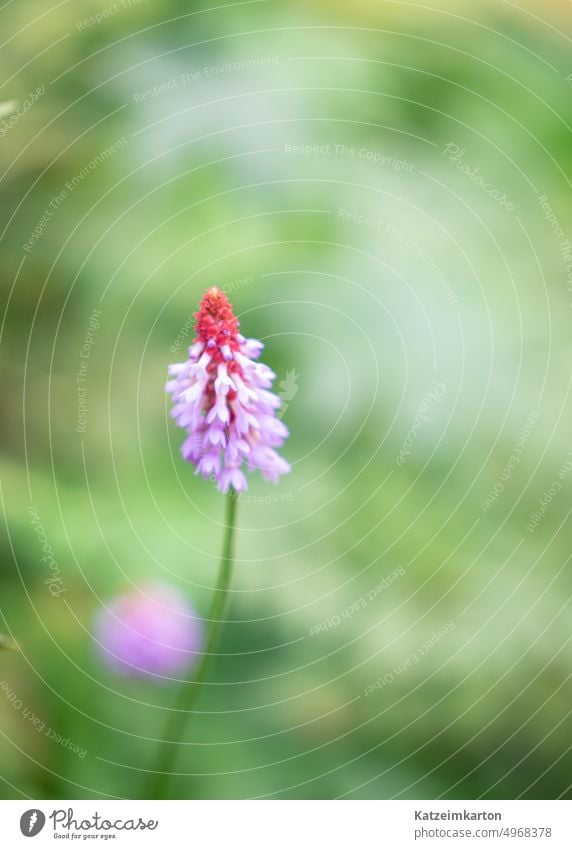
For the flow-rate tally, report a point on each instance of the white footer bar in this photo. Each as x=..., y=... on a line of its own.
x=288, y=824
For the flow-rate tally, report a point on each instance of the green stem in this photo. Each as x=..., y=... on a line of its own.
x=189, y=691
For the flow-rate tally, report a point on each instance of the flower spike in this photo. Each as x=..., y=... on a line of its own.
x=221, y=398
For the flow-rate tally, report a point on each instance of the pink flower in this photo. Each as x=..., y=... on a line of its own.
x=151, y=633
x=221, y=398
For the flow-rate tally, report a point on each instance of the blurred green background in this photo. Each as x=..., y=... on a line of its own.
x=384, y=191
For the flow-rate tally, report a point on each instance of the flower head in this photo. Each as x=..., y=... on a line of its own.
x=152, y=633
x=221, y=397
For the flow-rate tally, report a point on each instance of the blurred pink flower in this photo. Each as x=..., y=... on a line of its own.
x=152, y=632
